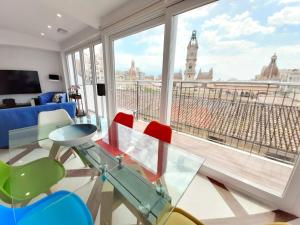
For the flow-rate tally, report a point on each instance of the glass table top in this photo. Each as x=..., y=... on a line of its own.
x=150, y=174
x=155, y=173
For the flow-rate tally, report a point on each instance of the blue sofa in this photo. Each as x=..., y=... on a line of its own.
x=15, y=118
x=47, y=97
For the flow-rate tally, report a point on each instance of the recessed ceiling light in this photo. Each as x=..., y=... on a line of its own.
x=59, y=15
x=49, y=27
x=43, y=34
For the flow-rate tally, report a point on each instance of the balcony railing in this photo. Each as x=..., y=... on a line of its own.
x=257, y=117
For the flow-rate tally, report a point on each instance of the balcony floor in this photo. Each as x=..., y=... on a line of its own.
x=260, y=172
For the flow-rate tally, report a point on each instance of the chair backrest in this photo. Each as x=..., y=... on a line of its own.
x=59, y=117
x=159, y=131
x=124, y=119
x=4, y=175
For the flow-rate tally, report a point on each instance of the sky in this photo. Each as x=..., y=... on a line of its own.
x=236, y=38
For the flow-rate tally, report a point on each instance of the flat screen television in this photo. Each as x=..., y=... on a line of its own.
x=19, y=82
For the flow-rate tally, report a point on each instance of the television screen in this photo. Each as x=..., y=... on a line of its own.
x=19, y=82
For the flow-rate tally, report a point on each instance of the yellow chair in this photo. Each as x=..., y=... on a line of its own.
x=181, y=217
x=278, y=223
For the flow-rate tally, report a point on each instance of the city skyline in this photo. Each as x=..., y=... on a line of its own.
x=236, y=44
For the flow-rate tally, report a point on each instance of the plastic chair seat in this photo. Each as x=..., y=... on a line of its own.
x=60, y=208
x=179, y=216
x=28, y=181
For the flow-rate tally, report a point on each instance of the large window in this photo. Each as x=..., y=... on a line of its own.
x=89, y=81
x=79, y=78
x=80, y=70
x=138, y=69
x=230, y=61
x=100, y=77
x=70, y=69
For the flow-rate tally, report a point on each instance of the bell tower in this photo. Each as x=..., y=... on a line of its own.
x=191, y=58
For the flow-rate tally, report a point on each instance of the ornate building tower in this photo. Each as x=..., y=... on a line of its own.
x=133, y=73
x=270, y=72
x=191, y=58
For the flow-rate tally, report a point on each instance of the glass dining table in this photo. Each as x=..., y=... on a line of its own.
x=146, y=175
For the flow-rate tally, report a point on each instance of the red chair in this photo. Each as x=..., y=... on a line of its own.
x=124, y=119
x=159, y=131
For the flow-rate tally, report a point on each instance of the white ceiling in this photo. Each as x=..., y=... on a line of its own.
x=32, y=16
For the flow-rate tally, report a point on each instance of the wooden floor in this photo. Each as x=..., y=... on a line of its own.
x=257, y=171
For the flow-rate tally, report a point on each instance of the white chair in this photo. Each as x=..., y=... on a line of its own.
x=59, y=117
x=49, y=120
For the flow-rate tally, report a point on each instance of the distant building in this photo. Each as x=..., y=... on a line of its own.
x=121, y=75
x=133, y=73
x=191, y=58
x=205, y=76
x=290, y=75
x=191, y=62
x=148, y=77
x=270, y=72
x=178, y=76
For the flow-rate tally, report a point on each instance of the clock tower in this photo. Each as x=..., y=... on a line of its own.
x=191, y=58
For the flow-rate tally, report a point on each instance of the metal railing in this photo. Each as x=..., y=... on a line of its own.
x=258, y=117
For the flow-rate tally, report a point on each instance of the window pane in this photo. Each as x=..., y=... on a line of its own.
x=231, y=58
x=87, y=66
x=138, y=68
x=99, y=63
x=71, y=70
x=79, y=78
x=100, y=77
x=78, y=68
x=88, y=81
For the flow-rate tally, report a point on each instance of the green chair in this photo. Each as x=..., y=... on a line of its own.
x=20, y=184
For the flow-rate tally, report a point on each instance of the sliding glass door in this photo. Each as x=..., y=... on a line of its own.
x=89, y=81
x=80, y=68
x=98, y=51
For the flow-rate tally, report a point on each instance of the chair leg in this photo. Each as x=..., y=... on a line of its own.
x=95, y=173
x=74, y=153
x=66, y=155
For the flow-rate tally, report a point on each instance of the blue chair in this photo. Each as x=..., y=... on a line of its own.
x=59, y=208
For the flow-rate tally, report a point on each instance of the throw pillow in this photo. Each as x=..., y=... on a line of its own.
x=56, y=98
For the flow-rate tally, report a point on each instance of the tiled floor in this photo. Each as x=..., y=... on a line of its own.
x=206, y=199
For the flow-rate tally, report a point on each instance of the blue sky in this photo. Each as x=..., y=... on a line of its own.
x=236, y=38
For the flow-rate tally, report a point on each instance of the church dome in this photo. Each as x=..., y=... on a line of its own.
x=270, y=72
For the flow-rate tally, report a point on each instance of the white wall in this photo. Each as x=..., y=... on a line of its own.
x=44, y=61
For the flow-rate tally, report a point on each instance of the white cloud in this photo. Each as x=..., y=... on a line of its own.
x=240, y=25
x=227, y=52
x=289, y=1
x=288, y=15
x=199, y=12
x=149, y=56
